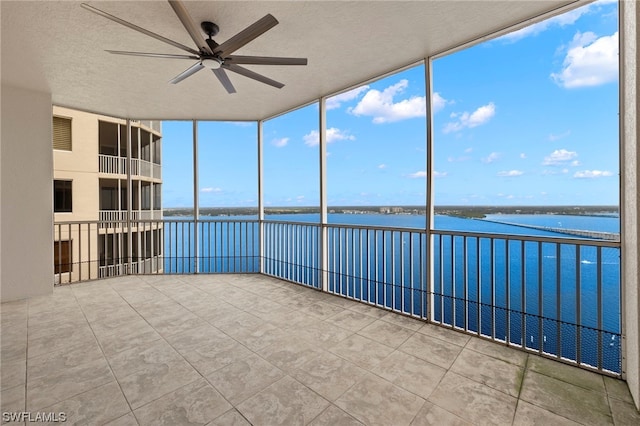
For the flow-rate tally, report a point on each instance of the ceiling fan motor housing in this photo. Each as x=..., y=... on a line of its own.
x=209, y=28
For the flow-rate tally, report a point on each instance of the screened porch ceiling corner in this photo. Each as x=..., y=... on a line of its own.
x=58, y=47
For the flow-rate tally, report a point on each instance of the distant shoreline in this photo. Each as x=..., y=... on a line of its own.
x=477, y=212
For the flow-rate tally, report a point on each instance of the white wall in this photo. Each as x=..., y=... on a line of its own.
x=26, y=194
x=630, y=202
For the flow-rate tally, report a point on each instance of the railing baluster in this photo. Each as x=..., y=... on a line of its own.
x=540, y=300
x=599, y=303
x=507, y=280
x=558, y=304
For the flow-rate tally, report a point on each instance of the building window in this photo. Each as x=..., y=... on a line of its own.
x=62, y=256
x=62, y=133
x=62, y=196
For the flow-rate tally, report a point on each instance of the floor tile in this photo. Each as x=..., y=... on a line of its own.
x=195, y=403
x=321, y=332
x=156, y=380
x=489, y=371
x=13, y=373
x=230, y=418
x=431, y=349
x=617, y=389
x=562, y=398
x=126, y=420
x=333, y=416
x=351, y=320
x=473, y=401
x=211, y=357
x=322, y=310
x=97, y=406
x=498, y=350
x=289, y=354
x=432, y=415
x=442, y=333
x=374, y=401
x=50, y=389
x=531, y=415
x=286, y=402
x=403, y=321
x=329, y=375
x=12, y=399
x=566, y=373
x=244, y=378
x=152, y=354
x=410, y=373
x=624, y=413
x=362, y=351
x=386, y=333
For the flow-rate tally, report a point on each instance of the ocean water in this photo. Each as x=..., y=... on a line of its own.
x=550, y=297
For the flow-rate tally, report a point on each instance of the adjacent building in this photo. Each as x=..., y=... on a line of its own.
x=107, y=195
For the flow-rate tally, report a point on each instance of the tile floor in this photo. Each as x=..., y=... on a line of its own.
x=250, y=349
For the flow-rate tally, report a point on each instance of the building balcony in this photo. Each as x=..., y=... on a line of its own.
x=111, y=164
x=244, y=348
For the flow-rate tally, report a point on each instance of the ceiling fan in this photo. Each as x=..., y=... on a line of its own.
x=209, y=54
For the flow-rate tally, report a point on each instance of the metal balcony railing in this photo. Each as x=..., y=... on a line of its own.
x=118, y=165
x=558, y=297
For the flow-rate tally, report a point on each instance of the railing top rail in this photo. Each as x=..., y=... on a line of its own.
x=452, y=233
x=533, y=238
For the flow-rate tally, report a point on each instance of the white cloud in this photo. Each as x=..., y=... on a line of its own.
x=474, y=119
x=210, y=189
x=559, y=157
x=468, y=150
x=510, y=173
x=491, y=157
x=383, y=109
x=565, y=19
x=333, y=134
x=438, y=102
x=423, y=174
x=575, y=163
x=568, y=18
x=337, y=100
x=590, y=61
x=280, y=142
x=590, y=174
x=523, y=155
x=382, y=166
x=554, y=137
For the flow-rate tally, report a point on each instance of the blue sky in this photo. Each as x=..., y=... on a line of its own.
x=530, y=118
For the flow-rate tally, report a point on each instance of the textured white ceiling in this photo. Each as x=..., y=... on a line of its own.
x=58, y=47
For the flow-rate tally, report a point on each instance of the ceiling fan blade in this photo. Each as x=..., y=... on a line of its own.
x=190, y=26
x=245, y=36
x=139, y=29
x=254, y=75
x=152, y=55
x=186, y=73
x=224, y=79
x=265, y=60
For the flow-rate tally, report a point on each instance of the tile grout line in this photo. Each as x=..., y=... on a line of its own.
x=192, y=366
x=103, y=354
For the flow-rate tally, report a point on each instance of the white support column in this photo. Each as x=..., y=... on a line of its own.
x=430, y=197
x=129, y=196
x=196, y=203
x=629, y=195
x=260, y=198
x=324, y=237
